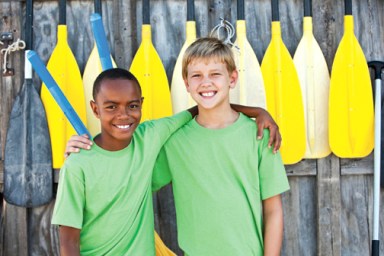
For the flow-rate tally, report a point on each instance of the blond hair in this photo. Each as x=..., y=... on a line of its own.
x=208, y=48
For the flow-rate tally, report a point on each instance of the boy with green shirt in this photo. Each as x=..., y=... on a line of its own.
x=226, y=184
x=104, y=199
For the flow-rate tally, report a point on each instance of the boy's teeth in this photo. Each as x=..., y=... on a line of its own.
x=123, y=126
x=207, y=94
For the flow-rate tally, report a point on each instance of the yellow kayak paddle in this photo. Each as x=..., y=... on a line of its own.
x=250, y=86
x=149, y=70
x=314, y=78
x=181, y=99
x=64, y=69
x=284, y=100
x=351, y=115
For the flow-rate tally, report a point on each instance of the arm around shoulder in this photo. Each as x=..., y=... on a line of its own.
x=69, y=241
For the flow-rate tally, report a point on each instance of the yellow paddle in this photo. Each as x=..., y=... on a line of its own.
x=92, y=70
x=351, y=118
x=283, y=93
x=250, y=86
x=64, y=69
x=314, y=81
x=181, y=99
x=149, y=70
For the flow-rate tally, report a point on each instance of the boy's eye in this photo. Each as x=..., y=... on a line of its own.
x=196, y=75
x=111, y=107
x=134, y=106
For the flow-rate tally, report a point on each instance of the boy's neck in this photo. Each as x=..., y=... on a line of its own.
x=216, y=118
x=107, y=144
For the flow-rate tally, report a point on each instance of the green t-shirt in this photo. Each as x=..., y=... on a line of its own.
x=108, y=194
x=219, y=179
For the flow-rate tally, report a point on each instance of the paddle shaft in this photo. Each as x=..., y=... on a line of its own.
x=146, y=14
x=275, y=10
x=62, y=12
x=190, y=10
x=240, y=10
x=101, y=41
x=57, y=94
x=97, y=5
x=377, y=66
x=348, y=7
x=307, y=8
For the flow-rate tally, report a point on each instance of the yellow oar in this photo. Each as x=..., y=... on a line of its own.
x=250, y=86
x=283, y=93
x=92, y=70
x=351, y=118
x=64, y=69
x=181, y=99
x=314, y=81
x=149, y=70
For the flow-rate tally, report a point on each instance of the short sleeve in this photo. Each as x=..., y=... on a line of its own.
x=165, y=127
x=273, y=177
x=70, y=199
x=161, y=172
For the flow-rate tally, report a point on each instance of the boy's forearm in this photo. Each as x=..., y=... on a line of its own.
x=273, y=226
x=69, y=241
x=248, y=111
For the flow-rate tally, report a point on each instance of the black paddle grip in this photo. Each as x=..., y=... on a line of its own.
x=375, y=248
x=62, y=12
x=348, y=7
x=29, y=24
x=97, y=4
x=377, y=66
x=146, y=15
x=190, y=10
x=240, y=10
x=307, y=8
x=275, y=10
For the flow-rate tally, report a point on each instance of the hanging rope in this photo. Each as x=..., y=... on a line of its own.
x=229, y=32
x=15, y=46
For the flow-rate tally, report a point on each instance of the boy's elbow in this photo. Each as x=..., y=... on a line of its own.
x=69, y=241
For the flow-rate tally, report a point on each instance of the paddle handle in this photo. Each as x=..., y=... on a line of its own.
x=275, y=10
x=190, y=10
x=307, y=8
x=348, y=7
x=62, y=12
x=97, y=5
x=146, y=15
x=240, y=10
x=57, y=94
x=29, y=24
x=101, y=41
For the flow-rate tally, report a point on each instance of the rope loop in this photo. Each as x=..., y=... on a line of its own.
x=15, y=46
x=228, y=35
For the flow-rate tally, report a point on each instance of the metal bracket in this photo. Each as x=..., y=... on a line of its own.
x=6, y=38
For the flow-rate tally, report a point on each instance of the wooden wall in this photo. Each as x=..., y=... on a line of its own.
x=329, y=207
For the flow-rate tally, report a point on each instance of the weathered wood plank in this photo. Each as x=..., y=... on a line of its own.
x=328, y=206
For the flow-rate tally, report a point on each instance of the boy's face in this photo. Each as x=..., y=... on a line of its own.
x=118, y=106
x=208, y=82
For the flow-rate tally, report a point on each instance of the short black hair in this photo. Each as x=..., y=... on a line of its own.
x=113, y=74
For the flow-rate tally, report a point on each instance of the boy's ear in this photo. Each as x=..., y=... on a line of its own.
x=233, y=79
x=95, y=108
x=186, y=84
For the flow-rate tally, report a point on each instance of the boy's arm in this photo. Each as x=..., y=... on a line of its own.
x=69, y=241
x=264, y=121
x=273, y=225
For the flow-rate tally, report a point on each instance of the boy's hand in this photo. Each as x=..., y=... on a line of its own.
x=77, y=142
x=265, y=121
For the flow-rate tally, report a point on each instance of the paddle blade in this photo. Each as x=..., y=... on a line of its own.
x=249, y=89
x=284, y=100
x=314, y=78
x=28, y=177
x=149, y=70
x=92, y=70
x=181, y=99
x=65, y=71
x=351, y=115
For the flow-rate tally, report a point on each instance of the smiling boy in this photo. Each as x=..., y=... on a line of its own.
x=226, y=184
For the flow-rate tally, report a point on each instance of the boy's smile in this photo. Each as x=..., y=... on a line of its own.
x=208, y=82
x=118, y=106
